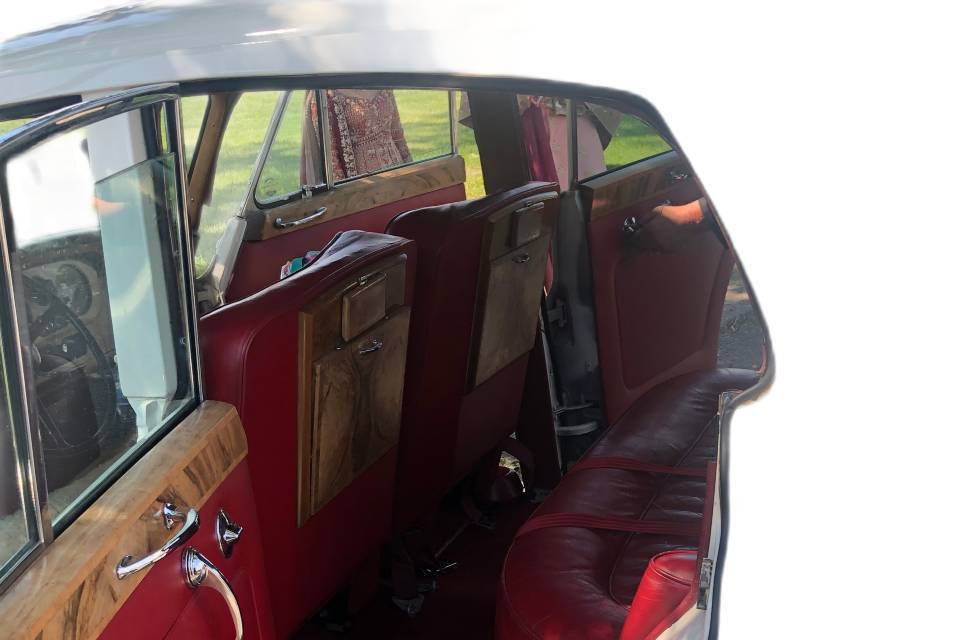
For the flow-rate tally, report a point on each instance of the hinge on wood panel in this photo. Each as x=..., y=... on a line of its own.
x=706, y=579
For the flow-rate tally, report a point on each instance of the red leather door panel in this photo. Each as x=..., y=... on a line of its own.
x=163, y=606
x=657, y=313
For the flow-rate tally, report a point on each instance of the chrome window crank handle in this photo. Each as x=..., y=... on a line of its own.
x=198, y=571
x=370, y=347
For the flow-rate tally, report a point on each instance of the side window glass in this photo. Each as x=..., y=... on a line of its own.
x=606, y=138
x=613, y=140
x=741, y=334
x=93, y=225
x=467, y=148
x=235, y=163
x=425, y=121
x=373, y=130
x=281, y=172
x=10, y=125
x=192, y=111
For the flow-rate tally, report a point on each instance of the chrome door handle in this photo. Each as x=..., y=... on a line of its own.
x=370, y=347
x=196, y=571
x=522, y=258
x=191, y=522
x=280, y=223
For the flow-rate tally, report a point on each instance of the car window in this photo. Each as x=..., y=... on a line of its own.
x=371, y=130
x=467, y=148
x=100, y=301
x=615, y=139
x=235, y=163
x=281, y=172
x=368, y=131
x=10, y=125
x=425, y=118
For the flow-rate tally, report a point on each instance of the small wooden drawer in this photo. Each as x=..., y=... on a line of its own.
x=512, y=228
x=363, y=306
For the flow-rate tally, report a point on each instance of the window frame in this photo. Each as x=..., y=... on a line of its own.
x=30, y=472
x=326, y=149
x=573, y=150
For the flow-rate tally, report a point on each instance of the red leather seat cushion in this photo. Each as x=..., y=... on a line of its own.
x=668, y=578
x=578, y=581
x=250, y=351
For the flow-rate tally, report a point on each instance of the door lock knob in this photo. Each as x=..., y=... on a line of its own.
x=228, y=533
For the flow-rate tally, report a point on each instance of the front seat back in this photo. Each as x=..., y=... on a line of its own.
x=480, y=275
x=314, y=365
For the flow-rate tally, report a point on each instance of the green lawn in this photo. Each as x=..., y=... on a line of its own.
x=424, y=117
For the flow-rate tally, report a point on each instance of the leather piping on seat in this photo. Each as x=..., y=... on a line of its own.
x=629, y=464
x=611, y=523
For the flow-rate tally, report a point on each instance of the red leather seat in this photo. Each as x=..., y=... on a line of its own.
x=667, y=581
x=250, y=351
x=452, y=414
x=574, y=567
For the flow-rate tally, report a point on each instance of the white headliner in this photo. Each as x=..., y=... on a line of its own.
x=826, y=133
x=176, y=40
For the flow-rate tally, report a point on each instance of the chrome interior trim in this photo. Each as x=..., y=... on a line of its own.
x=326, y=145
x=186, y=249
x=280, y=223
x=82, y=114
x=23, y=422
x=191, y=522
x=228, y=533
x=198, y=571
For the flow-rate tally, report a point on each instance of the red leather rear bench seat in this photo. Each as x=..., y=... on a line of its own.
x=574, y=567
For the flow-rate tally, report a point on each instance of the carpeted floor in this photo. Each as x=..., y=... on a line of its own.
x=463, y=607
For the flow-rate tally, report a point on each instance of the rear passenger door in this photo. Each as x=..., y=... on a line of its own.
x=297, y=167
x=642, y=292
x=122, y=494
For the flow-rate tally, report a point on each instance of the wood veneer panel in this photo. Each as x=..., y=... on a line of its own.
x=365, y=193
x=71, y=591
x=614, y=191
x=356, y=406
x=349, y=403
x=219, y=107
x=510, y=300
x=509, y=286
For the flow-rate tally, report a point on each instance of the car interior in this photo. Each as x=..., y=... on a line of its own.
x=478, y=343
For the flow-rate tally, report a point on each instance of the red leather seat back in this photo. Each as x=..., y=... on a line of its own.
x=250, y=351
x=667, y=580
x=460, y=400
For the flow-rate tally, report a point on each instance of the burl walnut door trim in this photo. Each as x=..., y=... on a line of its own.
x=358, y=391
